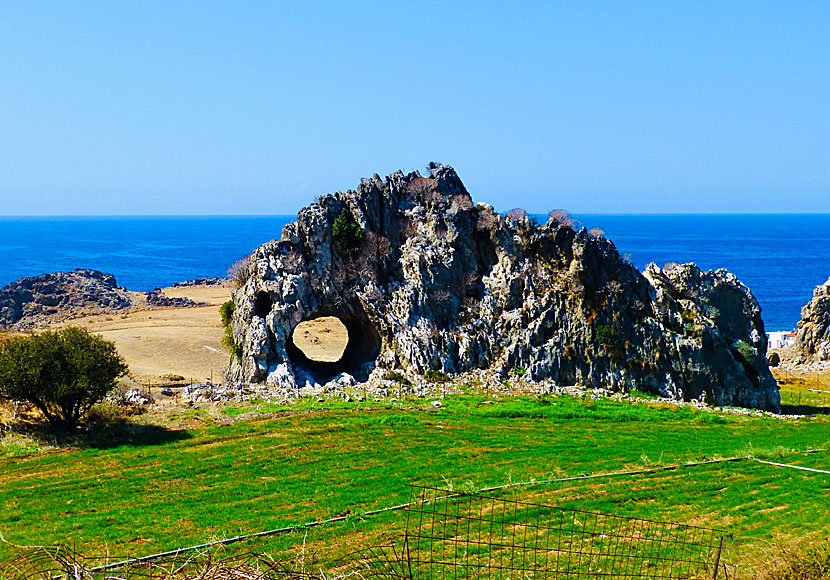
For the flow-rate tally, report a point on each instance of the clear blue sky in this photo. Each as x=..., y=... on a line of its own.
x=257, y=107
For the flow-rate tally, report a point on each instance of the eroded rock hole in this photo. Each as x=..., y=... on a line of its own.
x=263, y=304
x=326, y=346
x=323, y=339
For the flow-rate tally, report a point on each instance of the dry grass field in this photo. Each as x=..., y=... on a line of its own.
x=161, y=342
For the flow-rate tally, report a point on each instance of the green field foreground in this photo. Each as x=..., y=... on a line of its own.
x=149, y=489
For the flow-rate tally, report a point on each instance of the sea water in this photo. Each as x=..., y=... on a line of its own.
x=142, y=252
x=780, y=257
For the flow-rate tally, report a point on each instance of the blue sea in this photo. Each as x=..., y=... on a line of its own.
x=780, y=257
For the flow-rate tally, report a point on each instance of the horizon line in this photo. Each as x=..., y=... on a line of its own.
x=276, y=215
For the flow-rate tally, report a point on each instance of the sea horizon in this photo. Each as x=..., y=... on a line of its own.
x=260, y=215
x=767, y=251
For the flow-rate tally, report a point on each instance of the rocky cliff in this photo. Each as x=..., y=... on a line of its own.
x=424, y=279
x=813, y=337
x=29, y=302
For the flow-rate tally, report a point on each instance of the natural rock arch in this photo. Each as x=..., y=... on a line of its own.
x=431, y=281
x=357, y=359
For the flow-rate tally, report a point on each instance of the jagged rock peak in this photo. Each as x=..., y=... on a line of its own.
x=813, y=336
x=424, y=279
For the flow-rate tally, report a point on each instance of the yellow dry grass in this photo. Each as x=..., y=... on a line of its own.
x=160, y=342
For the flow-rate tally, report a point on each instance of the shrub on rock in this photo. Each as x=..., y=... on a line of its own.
x=347, y=233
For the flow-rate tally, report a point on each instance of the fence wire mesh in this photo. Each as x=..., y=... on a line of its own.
x=448, y=535
x=487, y=536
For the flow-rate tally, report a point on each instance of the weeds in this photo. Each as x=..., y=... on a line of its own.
x=437, y=377
x=397, y=377
x=799, y=561
x=20, y=444
x=765, y=453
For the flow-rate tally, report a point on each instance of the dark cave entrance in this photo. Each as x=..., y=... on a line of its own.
x=262, y=304
x=363, y=347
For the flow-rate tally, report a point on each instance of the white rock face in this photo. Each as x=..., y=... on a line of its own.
x=435, y=282
x=813, y=337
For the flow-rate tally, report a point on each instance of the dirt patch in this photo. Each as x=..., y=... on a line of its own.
x=323, y=339
x=160, y=342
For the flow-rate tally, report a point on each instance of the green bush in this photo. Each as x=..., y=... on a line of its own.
x=398, y=377
x=62, y=373
x=746, y=350
x=226, y=312
x=437, y=377
x=347, y=233
x=605, y=334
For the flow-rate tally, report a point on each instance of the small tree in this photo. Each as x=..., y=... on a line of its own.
x=226, y=313
x=517, y=214
x=241, y=270
x=562, y=217
x=62, y=373
x=347, y=233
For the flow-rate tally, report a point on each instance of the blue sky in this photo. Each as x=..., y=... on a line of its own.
x=258, y=107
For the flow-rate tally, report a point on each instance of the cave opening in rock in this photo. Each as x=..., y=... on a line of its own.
x=361, y=349
x=263, y=304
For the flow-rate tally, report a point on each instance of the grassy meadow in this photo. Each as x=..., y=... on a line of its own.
x=218, y=472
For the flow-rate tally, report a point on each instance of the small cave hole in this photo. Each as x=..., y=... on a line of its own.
x=315, y=344
x=262, y=304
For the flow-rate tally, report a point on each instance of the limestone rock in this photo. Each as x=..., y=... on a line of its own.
x=813, y=337
x=31, y=301
x=439, y=283
x=157, y=298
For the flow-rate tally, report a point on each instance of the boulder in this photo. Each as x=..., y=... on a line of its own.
x=436, y=282
x=812, y=340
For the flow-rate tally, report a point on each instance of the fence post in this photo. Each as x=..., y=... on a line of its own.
x=717, y=559
x=406, y=551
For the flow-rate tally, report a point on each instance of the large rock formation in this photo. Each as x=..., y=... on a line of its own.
x=435, y=282
x=813, y=337
x=29, y=302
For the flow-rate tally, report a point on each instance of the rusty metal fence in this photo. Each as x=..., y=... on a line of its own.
x=488, y=536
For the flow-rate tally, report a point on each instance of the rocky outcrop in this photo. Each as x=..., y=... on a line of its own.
x=157, y=298
x=435, y=282
x=30, y=302
x=813, y=336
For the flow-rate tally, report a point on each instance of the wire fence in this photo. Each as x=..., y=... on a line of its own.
x=448, y=535
x=485, y=536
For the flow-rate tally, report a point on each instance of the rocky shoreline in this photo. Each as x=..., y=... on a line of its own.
x=37, y=301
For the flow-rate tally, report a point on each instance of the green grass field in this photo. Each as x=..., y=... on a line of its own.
x=145, y=489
